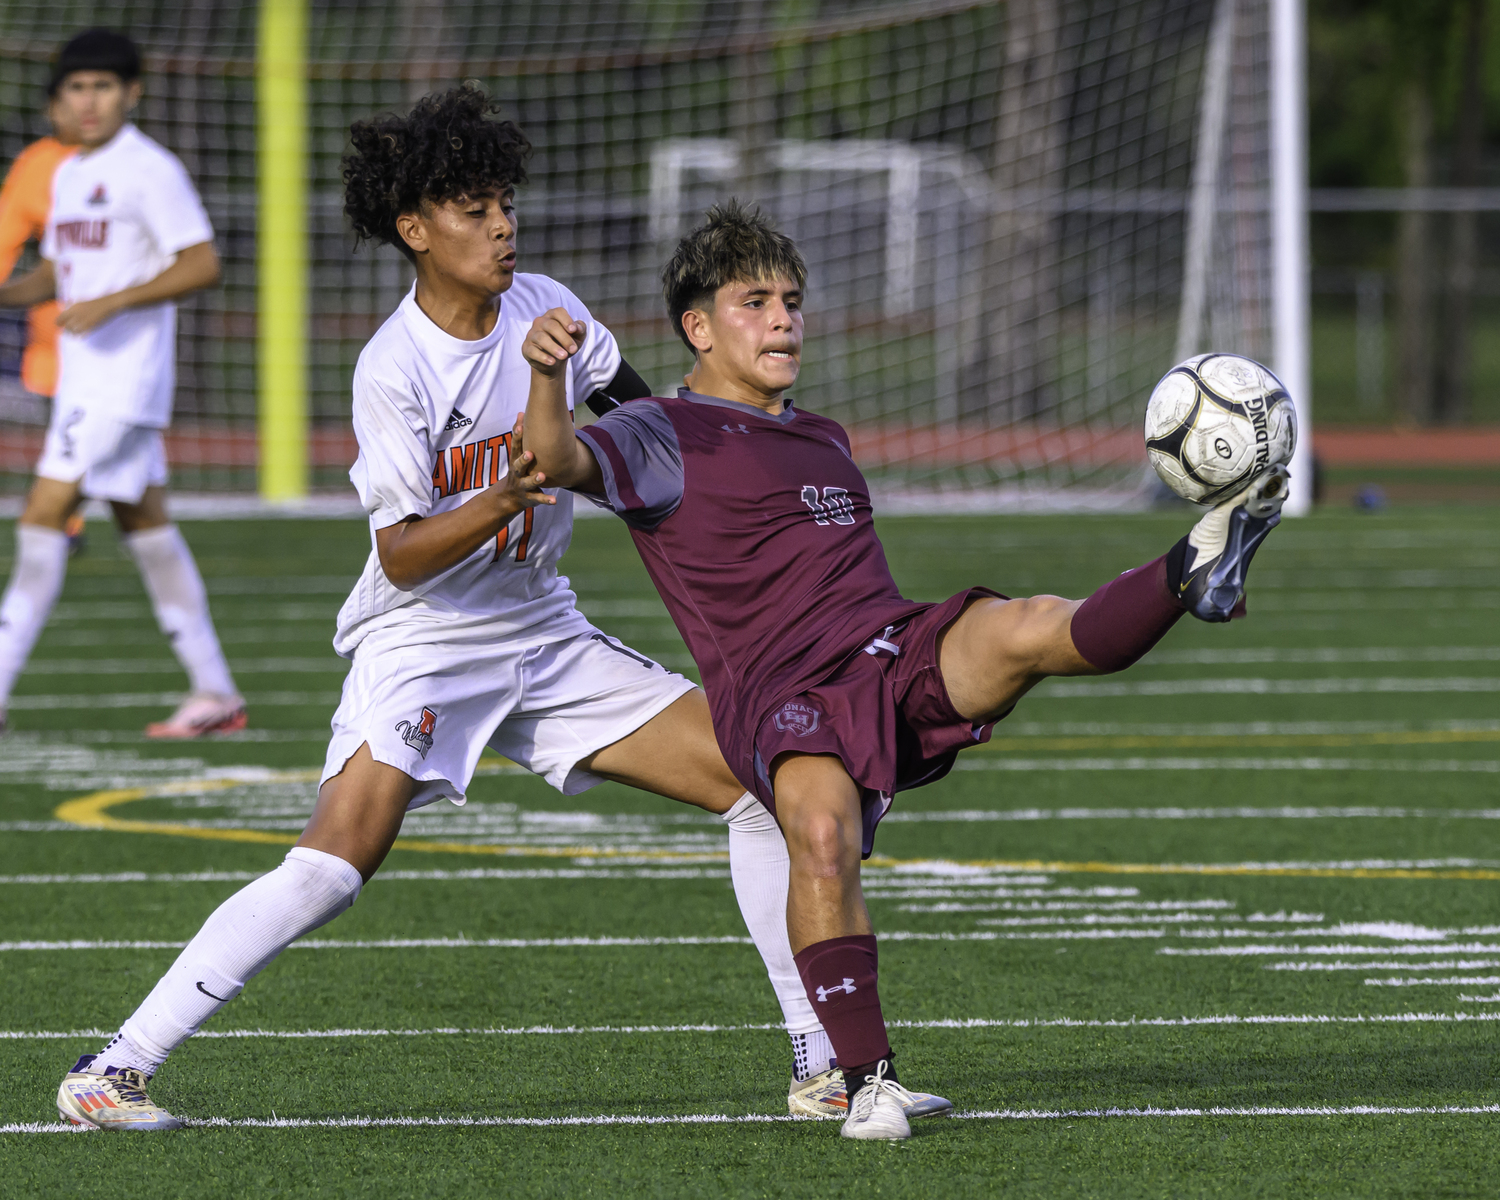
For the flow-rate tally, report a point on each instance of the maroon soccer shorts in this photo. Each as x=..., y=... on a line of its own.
x=884, y=711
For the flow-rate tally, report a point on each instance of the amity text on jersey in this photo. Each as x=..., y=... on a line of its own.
x=480, y=464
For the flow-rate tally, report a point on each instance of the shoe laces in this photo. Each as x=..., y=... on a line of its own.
x=130, y=1086
x=864, y=1099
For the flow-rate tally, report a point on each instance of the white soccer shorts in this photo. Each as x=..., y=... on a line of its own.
x=431, y=710
x=112, y=459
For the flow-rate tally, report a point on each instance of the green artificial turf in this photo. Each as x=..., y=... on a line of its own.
x=1330, y=765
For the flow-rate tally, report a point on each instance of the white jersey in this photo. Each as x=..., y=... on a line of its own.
x=120, y=214
x=433, y=415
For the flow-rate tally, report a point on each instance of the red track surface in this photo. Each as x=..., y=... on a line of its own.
x=886, y=445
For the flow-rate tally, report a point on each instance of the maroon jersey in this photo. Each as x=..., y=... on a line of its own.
x=758, y=533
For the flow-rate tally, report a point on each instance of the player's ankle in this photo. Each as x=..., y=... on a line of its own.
x=812, y=1054
x=854, y=1077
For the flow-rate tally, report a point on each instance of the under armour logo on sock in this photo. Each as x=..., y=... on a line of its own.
x=847, y=987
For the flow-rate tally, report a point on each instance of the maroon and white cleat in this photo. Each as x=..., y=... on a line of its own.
x=200, y=714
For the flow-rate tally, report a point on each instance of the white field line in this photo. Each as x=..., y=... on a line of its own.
x=592, y=942
x=161, y=699
x=395, y=876
x=1237, y=728
x=1451, y=964
x=170, y=666
x=1061, y=689
x=1280, y=813
x=1447, y=980
x=1461, y=765
x=1328, y=654
x=1217, y=1020
x=1251, y=951
x=999, y=1114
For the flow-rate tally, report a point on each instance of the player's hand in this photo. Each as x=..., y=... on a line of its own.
x=554, y=338
x=87, y=314
x=523, y=484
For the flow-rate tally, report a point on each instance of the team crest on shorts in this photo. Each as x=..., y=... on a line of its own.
x=418, y=734
x=798, y=718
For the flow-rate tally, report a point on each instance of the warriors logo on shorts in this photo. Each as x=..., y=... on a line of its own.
x=798, y=718
x=419, y=735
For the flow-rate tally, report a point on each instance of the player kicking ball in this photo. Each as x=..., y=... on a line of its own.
x=462, y=633
x=125, y=238
x=830, y=691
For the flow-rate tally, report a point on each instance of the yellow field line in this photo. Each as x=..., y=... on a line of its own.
x=92, y=812
x=1205, y=741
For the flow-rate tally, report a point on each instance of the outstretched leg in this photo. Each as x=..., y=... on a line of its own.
x=358, y=815
x=998, y=650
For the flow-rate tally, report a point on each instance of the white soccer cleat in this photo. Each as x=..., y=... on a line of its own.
x=110, y=1099
x=824, y=1096
x=877, y=1113
x=201, y=713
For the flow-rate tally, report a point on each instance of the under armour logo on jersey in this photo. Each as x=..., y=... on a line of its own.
x=834, y=505
x=419, y=735
x=738, y=427
x=847, y=987
x=100, y=196
x=457, y=421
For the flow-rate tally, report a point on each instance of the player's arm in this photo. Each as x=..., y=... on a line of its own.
x=36, y=287
x=422, y=548
x=554, y=338
x=195, y=268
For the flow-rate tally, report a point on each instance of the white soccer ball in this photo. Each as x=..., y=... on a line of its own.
x=1215, y=422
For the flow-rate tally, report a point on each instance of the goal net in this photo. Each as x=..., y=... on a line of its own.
x=1016, y=215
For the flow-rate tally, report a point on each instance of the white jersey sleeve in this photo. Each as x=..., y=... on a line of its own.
x=174, y=213
x=393, y=474
x=599, y=360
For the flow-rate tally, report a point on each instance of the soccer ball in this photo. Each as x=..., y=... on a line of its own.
x=1215, y=422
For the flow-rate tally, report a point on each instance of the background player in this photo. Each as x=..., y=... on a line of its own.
x=126, y=236
x=461, y=631
x=25, y=201
x=830, y=691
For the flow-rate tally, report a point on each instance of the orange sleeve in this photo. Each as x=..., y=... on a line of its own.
x=26, y=198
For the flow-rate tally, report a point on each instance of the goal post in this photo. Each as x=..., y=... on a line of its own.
x=281, y=249
x=1014, y=212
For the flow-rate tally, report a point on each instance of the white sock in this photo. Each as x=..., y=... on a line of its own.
x=761, y=869
x=812, y=1054
x=238, y=941
x=180, y=602
x=36, y=579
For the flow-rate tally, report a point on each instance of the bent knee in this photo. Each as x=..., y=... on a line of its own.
x=820, y=845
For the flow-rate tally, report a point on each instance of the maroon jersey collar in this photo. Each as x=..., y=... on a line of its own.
x=785, y=417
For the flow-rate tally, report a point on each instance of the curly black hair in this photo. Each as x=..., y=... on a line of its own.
x=446, y=147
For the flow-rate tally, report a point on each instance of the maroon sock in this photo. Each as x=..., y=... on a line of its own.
x=1115, y=626
x=839, y=976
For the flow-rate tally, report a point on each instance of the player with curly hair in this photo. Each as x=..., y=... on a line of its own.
x=462, y=633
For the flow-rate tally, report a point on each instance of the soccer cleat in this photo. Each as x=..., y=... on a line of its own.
x=824, y=1096
x=77, y=539
x=1207, y=569
x=110, y=1099
x=820, y=1095
x=877, y=1113
x=201, y=713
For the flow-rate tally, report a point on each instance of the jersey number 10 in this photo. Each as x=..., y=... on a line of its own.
x=834, y=505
